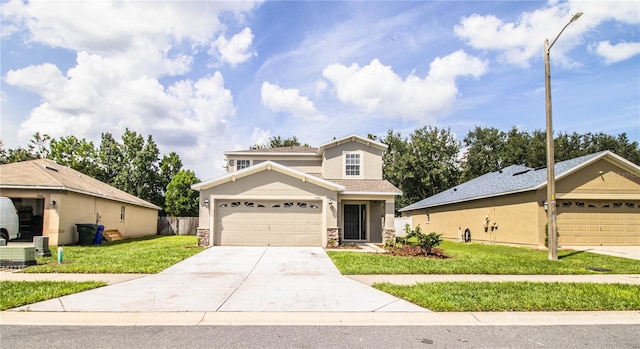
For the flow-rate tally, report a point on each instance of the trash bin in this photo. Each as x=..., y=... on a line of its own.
x=87, y=233
x=98, y=238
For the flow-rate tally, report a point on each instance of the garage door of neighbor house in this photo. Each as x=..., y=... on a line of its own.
x=269, y=223
x=598, y=222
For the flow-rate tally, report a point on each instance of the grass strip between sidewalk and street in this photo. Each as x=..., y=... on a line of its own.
x=147, y=255
x=18, y=293
x=517, y=296
x=477, y=258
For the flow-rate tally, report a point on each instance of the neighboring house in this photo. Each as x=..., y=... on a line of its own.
x=597, y=197
x=299, y=196
x=51, y=199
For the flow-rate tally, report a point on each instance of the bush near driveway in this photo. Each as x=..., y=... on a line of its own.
x=145, y=255
x=476, y=258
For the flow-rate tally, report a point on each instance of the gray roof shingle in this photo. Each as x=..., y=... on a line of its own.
x=512, y=179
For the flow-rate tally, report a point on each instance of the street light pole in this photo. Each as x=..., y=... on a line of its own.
x=552, y=230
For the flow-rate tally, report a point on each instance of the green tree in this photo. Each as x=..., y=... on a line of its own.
x=423, y=165
x=514, y=151
x=79, y=154
x=38, y=145
x=170, y=165
x=484, y=151
x=279, y=142
x=180, y=199
x=537, y=154
x=110, y=157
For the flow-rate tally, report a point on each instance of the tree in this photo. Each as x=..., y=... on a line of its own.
x=279, y=142
x=514, y=151
x=180, y=199
x=484, y=151
x=170, y=165
x=110, y=157
x=38, y=145
x=423, y=165
x=79, y=154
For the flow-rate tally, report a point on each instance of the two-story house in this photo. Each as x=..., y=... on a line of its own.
x=299, y=196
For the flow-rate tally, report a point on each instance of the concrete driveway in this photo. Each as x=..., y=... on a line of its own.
x=237, y=279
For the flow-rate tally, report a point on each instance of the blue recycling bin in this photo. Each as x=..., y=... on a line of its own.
x=98, y=238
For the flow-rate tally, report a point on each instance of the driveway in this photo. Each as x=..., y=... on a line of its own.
x=237, y=279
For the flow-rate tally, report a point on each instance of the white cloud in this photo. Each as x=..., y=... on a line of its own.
x=260, y=136
x=615, y=53
x=236, y=50
x=124, y=52
x=522, y=40
x=289, y=101
x=377, y=89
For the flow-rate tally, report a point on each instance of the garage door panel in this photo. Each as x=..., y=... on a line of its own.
x=253, y=223
x=599, y=222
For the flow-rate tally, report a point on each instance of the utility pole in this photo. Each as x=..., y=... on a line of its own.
x=552, y=228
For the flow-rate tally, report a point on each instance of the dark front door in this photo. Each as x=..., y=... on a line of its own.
x=355, y=227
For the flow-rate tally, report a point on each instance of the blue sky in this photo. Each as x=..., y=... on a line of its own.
x=204, y=77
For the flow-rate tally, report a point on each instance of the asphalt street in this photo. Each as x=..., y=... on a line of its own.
x=352, y=337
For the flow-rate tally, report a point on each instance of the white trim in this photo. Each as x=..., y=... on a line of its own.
x=360, y=154
x=267, y=166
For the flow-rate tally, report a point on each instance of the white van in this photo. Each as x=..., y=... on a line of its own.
x=9, y=222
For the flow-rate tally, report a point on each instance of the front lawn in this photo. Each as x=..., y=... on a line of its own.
x=476, y=258
x=17, y=293
x=146, y=255
x=517, y=296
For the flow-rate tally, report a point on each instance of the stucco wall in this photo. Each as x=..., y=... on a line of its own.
x=589, y=183
x=304, y=165
x=371, y=161
x=516, y=219
x=59, y=221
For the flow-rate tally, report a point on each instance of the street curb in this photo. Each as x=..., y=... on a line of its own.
x=319, y=318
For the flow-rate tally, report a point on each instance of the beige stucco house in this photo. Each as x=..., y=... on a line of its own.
x=299, y=196
x=598, y=204
x=52, y=199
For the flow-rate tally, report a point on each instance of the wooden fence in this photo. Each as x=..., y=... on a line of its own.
x=177, y=225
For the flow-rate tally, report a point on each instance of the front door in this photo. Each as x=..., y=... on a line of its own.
x=355, y=222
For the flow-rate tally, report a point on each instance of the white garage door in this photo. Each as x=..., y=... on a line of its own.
x=598, y=222
x=269, y=223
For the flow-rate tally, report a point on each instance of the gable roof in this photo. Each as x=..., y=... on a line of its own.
x=267, y=166
x=352, y=138
x=514, y=179
x=301, y=150
x=46, y=174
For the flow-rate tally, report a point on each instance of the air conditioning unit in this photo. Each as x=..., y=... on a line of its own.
x=17, y=257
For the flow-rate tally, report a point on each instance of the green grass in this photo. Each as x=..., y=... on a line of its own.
x=517, y=296
x=475, y=258
x=146, y=255
x=17, y=293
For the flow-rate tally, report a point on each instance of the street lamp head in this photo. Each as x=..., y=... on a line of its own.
x=575, y=17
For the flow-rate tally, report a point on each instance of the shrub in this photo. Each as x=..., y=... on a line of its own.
x=426, y=241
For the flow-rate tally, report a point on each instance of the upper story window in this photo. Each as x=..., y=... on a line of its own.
x=242, y=164
x=352, y=164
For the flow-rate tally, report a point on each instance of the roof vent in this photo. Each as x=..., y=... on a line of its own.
x=521, y=172
x=50, y=168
